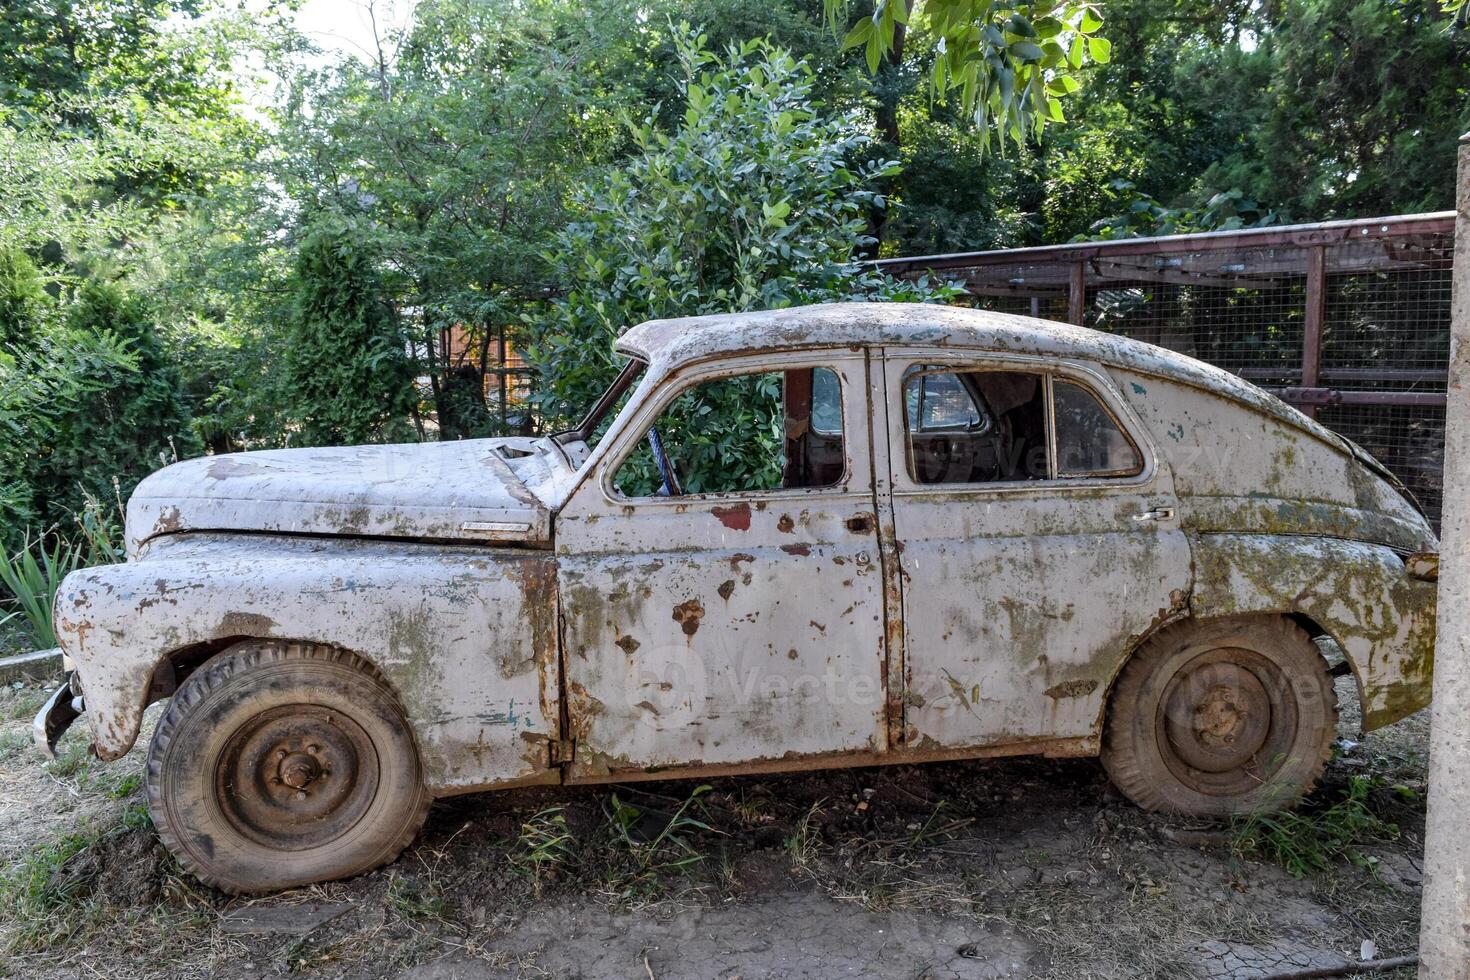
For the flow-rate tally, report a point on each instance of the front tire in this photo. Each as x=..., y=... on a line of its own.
x=281, y=764
x=1221, y=718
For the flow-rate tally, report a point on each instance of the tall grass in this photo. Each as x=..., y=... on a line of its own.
x=31, y=576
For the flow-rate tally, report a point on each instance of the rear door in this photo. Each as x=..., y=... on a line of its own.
x=1037, y=538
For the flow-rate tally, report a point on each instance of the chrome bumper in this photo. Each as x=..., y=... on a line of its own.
x=61, y=709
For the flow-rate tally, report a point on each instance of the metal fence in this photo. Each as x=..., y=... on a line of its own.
x=1347, y=320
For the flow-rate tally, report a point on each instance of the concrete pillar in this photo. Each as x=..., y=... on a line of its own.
x=1444, y=932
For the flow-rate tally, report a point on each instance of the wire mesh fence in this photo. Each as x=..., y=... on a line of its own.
x=1348, y=320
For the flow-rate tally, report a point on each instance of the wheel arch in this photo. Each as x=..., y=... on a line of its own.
x=1307, y=623
x=1358, y=594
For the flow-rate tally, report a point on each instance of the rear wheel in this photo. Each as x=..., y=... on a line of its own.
x=280, y=764
x=1219, y=718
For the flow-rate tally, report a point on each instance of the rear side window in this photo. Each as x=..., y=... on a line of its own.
x=1089, y=440
x=997, y=426
x=975, y=426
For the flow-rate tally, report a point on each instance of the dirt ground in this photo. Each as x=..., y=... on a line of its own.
x=1018, y=869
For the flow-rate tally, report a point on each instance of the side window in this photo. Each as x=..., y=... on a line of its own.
x=975, y=426
x=991, y=426
x=743, y=434
x=1089, y=440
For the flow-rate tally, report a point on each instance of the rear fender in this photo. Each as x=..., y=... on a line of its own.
x=1360, y=594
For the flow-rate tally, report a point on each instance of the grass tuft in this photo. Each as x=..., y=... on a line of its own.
x=1303, y=843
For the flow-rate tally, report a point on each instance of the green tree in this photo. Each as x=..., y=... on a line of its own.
x=124, y=421
x=24, y=303
x=347, y=377
x=755, y=201
x=459, y=143
x=43, y=388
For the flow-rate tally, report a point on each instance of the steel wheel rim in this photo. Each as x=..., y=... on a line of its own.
x=296, y=777
x=1225, y=721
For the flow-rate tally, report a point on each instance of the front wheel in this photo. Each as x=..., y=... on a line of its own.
x=1221, y=718
x=281, y=764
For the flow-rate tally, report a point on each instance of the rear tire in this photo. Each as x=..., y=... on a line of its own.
x=281, y=764
x=1221, y=718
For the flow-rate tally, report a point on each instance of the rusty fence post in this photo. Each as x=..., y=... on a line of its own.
x=1444, y=932
x=1316, y=314
x=1077, y=292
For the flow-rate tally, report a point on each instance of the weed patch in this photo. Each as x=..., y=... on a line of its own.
x=1306, y=842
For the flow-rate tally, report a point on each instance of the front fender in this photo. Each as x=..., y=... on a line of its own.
x=466, y=636
x=1360, y=593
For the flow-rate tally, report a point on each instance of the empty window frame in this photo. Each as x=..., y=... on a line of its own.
x=744, y=433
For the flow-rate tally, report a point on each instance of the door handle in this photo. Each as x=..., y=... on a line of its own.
x=1156, y=514
x=861, y=524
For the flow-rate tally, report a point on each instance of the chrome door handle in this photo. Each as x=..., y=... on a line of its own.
x=1157, y=514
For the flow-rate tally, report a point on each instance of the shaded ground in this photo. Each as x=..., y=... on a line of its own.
x=1023, y=869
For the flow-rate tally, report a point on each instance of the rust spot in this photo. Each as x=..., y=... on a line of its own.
x=628, y=644
x=797, y=549
x=688, y=614
x=790, y=654
x=244, y=624
x=736, y=518
x=169, y=521
x=739, y=557
x=1071, y=689
x=785, y=525
x=727, y=589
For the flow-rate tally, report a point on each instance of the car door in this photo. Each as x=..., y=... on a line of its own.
x=1037, y=541
x=736, y=615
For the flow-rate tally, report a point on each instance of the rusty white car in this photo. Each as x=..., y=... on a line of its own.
x=842, y=535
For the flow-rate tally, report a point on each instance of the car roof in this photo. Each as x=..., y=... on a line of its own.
x=672, y=343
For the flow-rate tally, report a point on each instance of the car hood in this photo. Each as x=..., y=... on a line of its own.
x=447, y=491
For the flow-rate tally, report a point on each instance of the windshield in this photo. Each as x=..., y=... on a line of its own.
x=597, y=421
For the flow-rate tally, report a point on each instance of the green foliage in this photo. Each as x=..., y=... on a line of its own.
x=1307, y=842
x=1363, y=110
x=1008, y=64
x=131, y=421
x=23, y=301
x=348, y=378
x=723, y=435
x=31, y=576
x=755, y=201
x=43, y=390
x=459, y=152
x=669, y=846
x=1145, y=216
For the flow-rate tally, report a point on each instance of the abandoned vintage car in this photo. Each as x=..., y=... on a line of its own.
x=840, y=535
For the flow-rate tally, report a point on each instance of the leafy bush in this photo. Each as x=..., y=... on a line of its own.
x=44, y=389
x=24, y=303
x=132, y=422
